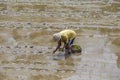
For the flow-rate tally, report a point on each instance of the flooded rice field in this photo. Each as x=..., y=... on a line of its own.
x=26, y=45
x=29, y=56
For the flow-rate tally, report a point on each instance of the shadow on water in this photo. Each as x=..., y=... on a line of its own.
x=63, y=56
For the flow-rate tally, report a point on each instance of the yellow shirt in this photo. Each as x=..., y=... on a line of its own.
x=67, y=35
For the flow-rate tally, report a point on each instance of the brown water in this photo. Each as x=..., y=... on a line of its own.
x=26, y=54
x=26, y=45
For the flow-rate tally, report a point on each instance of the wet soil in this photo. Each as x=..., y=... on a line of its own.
x=26, y=54
x=26, y=45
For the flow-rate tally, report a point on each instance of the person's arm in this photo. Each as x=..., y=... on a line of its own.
x=58, y=46
x=64, y=46
x=65, y=42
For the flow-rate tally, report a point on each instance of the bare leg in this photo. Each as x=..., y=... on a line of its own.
x=67, y=49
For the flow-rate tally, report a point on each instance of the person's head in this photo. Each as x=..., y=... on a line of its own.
x=56, y=36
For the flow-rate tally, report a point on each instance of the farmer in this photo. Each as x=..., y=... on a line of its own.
x=65, y=36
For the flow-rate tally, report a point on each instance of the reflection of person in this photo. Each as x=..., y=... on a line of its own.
x=65, y=36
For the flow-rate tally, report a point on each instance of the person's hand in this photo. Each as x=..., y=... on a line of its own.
x=61, y=49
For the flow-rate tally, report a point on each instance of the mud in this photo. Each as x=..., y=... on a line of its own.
x=29, y=57
x=26, y=45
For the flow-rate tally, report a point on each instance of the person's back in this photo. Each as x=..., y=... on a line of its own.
x=67, y=35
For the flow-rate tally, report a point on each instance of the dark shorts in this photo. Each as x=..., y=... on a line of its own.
x=71, y=41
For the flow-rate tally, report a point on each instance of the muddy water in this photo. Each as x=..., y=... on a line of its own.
x=26, y=45
x=26, y=54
